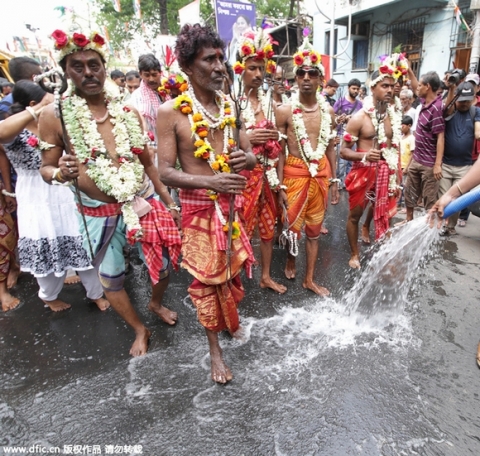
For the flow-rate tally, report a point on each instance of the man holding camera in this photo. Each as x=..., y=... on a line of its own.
x=462, y=127
x=425, y=170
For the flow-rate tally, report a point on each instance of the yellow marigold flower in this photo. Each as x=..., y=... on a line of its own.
x=186, y=109
x=236, y=230
x=198, y=153
x=199, y=143
x=181, y=99
x=225, y=168
x=216, y=166
x=197, y=117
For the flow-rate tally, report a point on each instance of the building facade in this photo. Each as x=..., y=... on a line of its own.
x=426, y=30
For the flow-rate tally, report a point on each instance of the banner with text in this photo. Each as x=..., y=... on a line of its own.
x=233, y=19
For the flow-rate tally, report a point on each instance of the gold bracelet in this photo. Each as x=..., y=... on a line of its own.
x=459, y=189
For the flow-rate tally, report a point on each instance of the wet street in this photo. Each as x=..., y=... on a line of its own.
x=314, y=376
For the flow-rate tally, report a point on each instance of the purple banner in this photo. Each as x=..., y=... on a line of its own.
x=233, y=19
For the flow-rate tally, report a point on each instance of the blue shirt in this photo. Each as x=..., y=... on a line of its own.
x=5, y=104
x=459, y=138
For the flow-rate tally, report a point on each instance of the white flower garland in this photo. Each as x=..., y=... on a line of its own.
x=389, y=154
x=123, y=182
x=312, y=157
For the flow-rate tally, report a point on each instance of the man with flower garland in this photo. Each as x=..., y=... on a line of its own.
x=108, y=157
x=311, y=164
x=209, y=183
x=375, y=174
x=260, y=208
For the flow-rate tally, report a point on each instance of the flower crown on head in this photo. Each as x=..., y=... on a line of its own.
x=307, y=56
x=258, y=46
x=173, y=81
x=391, y=66
x=65, y=44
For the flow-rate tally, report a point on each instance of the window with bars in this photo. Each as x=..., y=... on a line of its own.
x=408, y=36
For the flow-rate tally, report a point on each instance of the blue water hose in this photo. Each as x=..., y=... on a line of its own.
x=462, y=202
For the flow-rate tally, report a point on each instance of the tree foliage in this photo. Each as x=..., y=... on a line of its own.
x=161, y=16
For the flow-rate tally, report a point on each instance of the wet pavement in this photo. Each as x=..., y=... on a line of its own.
x=311, y=378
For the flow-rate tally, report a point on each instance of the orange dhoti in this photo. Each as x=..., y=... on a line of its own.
x=307, y=195
x=260, y=205
x=369, y=182
x=204, y=250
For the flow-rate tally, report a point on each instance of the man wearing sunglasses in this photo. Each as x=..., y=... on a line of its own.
x=308, y=170
x=260, y=206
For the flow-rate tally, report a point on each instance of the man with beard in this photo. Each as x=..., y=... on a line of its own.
x=374, y=175
x=260, y=208
x=108, y=158
x=305, y=173
x=215, y=245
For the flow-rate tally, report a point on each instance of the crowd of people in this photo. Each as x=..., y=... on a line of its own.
x=178, y=164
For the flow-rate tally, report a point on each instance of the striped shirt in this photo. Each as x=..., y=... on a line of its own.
x=429, y=124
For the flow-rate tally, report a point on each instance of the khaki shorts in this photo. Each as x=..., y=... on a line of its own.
x=420, y=184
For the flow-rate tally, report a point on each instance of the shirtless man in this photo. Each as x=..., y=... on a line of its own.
x=113, y=209
x=260, y=208
x=375, y=172
x=278, y=87
x=307, y=170
x=207, y=185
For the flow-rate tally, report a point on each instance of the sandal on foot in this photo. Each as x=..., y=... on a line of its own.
x=462, y=223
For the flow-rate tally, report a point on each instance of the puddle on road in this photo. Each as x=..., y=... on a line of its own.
x=328, y=378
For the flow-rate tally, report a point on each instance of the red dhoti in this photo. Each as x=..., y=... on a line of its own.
x=307, y=195
x=204, y=250
x=369, y=182
x=260, y=206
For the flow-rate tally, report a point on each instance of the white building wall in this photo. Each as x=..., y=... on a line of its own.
x=436, y=39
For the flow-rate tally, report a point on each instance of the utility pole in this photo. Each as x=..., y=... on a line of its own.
x=475, y=54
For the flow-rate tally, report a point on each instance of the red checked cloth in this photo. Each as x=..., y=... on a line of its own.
x=158, y=228
x=198, y=200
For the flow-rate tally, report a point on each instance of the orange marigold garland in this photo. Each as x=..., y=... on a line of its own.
x=201, y=122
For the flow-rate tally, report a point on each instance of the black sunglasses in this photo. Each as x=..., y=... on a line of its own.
x=312, y=73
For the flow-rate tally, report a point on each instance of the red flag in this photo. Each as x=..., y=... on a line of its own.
x=326, y=64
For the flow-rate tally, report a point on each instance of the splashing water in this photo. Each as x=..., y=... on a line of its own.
x=384, y=284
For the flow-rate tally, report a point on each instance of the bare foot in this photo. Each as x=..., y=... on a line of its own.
x=240, y=334
x=270, y=283
x=220, y=371
x=9, y=302
x=354, y=262
x=365, y=234
x=101, y=303
x=12, y=277
x=72, y=279
x=323, y=230
x=290, y=269
x=140, y=346
x=166, y=315
x=321, y=291
x=56, y=305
